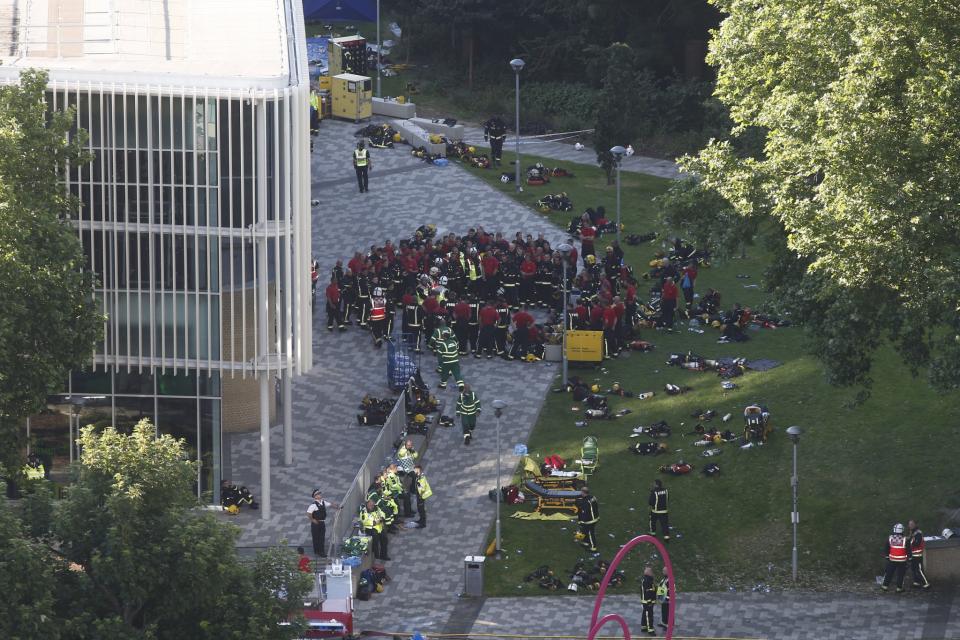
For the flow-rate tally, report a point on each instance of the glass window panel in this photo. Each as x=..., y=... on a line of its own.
x=209, y=384
x=178, y=417
x=133, y=383
x=180, y=384
x=209, y=448
x=91, y=382
x=128, y=411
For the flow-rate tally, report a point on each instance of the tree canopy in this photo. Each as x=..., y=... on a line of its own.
x=859, y=174
x=49, y=322
x=133, y=558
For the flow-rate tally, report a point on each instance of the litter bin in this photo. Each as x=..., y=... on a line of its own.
x=473, y=576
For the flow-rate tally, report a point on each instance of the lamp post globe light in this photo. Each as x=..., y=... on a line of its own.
x=498, y=407
x=794, y=432
x=618, y=152
x=564, y=250
x=517, y=65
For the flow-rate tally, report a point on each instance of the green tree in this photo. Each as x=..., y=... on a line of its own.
x=615, y=105
x=49, y=323
x=26, y=582
x=704, y=217
x=860, y=170
x=151, y=565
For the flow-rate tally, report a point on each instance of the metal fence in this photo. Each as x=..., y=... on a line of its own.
x=381, y=454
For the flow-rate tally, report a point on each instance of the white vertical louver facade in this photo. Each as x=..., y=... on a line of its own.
x=194, y=213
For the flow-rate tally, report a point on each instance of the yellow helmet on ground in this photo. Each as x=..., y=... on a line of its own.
x=419, y=418
x=715, y=323
x=595, y=388
x=397, y=137
x=579, y=535
x=472, y=149
x=591, y=259
x=616, y=386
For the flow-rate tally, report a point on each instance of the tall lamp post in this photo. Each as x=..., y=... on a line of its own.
x=564, y=250
x=618, y=152
x=794, y=432
x=517, y=65
x=498, y=407
x=379, y=94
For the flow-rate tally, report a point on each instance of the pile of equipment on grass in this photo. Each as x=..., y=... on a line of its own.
x=374, y=411
x=634, y=239
x=554, y=202
x=725, y=367
x=543, y=576
x=539, y=175
x=589, y=576
x=468, y=153
x=658, y=429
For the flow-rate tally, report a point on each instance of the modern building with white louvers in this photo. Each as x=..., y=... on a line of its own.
x=194, y=213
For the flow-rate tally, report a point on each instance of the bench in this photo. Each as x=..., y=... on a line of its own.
x=453, y=134
x=394, y=109
x=417, y=136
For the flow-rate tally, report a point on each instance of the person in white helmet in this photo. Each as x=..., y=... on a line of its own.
x=898, y=554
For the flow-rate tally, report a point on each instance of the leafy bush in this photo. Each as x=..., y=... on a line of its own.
x=569, y=102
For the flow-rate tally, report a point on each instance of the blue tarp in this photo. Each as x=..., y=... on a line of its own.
x=356, y=10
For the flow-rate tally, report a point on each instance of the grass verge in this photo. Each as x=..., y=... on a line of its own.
x=862, y=467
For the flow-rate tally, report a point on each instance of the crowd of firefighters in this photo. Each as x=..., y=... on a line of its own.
x=480, y=285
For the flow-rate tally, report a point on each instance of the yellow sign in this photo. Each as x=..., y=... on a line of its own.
x=585, y=346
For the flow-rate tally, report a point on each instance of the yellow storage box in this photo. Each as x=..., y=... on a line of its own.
x=352, y=97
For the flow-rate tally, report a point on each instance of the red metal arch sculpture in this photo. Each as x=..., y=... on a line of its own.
x=595, y=625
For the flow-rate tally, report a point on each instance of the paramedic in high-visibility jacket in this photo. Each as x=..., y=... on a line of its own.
x=361, y=162
x=423, y=493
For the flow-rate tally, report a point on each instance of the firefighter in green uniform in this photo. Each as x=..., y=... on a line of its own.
x=449, y=353
x=441, y=333
x=468, y=408
x=663, y=596
x=648, y=597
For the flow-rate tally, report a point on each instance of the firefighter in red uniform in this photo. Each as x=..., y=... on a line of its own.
x=916, y=545
x=587, y=234
x=461, y=325
x=528, y=279
x=378, y=317
x=488, y=330
x=610, y=341
x=522, y=320
x=333, y=305
x=596, y=317
x=491, y=274
x=897, y=557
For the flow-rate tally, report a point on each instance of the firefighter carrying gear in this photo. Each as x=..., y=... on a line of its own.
x=588, y=514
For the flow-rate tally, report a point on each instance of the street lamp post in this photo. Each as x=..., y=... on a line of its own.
x=794, y=432
x=498, y=407
x=379, y=94
x=564, y=250
x=517, y=65
x=618, y=152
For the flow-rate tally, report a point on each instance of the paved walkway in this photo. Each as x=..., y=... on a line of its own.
x=329, y=447
x=427, y=563
x=567, y=153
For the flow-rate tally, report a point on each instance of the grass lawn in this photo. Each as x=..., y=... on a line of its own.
x=862, y=468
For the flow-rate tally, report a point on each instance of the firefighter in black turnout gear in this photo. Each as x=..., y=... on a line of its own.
x=495, y=131
x=658, y=510
x=588, y=513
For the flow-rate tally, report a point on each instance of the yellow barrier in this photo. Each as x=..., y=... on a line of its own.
x=585, y=346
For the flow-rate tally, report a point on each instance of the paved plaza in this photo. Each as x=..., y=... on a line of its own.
x=427, y=564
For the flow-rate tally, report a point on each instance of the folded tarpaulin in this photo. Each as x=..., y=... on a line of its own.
x=762, y=364
x=357, y=10
x=536, y=515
